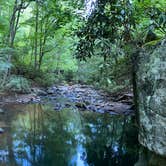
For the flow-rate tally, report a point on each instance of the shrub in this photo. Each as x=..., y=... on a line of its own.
x=5, y=65
x=45, y=79
x=39, y=77
x=69, y=75
x=18, y=84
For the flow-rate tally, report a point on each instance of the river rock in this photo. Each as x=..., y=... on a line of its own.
x=117, y=108
x=38, y=91
x=151, y=89
x=50, y=91
x=1, y=111
x=2, y=130
x=41, y=93
x=80, y=105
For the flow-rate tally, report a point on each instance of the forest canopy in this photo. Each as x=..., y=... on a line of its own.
x=49, y=41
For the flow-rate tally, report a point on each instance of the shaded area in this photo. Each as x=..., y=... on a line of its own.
x=37, y=135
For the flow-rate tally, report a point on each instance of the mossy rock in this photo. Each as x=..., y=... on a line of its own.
x=151, y=88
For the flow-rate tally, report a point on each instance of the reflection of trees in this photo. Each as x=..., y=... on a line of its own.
x=6, y=140
x=108, y=145
x=42, y=137
x=45, y=137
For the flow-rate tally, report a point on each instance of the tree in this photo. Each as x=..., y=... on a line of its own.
x=109, y=20
x=19, y=6
x=50, y=16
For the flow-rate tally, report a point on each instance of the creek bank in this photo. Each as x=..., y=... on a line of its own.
x=19, y=98
x=83, y=97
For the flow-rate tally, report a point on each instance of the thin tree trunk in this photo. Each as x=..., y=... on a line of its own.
x=42, y=50
x=36, y=34
x=14, y=21
x=43, y=40
x=12, y=25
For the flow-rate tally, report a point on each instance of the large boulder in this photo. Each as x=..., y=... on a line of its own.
x=151, y=90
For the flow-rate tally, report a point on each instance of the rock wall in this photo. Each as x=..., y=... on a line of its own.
x=151, y=91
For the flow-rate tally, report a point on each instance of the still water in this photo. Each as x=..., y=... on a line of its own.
x=37, y=135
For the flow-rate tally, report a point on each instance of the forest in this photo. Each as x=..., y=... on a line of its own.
x=44, y=42
x=98, y=57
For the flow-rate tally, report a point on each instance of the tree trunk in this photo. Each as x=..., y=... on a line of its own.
x=36, y=34
x=14, y=21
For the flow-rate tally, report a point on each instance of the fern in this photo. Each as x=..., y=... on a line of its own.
x=18, y=84
x=5, y=66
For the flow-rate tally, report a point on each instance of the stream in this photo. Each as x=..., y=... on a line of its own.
x=71, y=125
x=37, y=135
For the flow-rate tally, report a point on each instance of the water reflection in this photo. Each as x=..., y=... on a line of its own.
x=38, y=136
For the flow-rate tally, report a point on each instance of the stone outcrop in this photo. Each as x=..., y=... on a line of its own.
x=151, y=90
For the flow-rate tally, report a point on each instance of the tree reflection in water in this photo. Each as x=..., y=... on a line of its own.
x=39, y=136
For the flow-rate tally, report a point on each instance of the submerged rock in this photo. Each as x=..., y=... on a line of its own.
x=151, y=89
x=1, y=111
x=2, y=130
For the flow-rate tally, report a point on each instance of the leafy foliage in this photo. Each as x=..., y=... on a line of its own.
x=17, y=84
x=5, y=65
x=114, y=31
x=45, y=34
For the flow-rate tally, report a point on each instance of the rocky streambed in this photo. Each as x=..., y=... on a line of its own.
x=87, y=98
x=83, y=97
